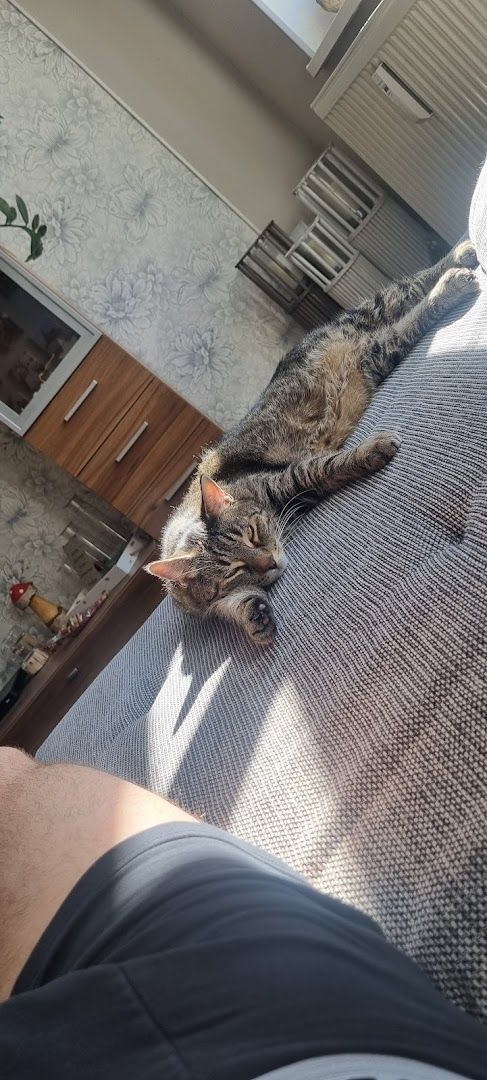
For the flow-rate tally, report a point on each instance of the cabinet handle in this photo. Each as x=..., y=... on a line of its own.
x=128, y=446
x=73, y=674
x=179, y=483
x=86, y=393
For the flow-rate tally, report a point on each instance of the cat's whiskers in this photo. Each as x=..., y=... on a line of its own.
x=297, y=512
x=287, y=521
x=288, y=512
x=287, y=515
x=292, y=530
x=282, y=526
x=288, y=504
x=285, y=532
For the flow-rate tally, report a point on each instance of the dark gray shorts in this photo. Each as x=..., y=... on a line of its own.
x=183, y=953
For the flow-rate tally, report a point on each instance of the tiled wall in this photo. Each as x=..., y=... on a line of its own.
x=141, y=246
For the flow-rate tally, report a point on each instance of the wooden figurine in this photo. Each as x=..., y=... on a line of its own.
x=24, y=595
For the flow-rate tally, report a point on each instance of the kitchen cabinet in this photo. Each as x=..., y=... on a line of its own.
x=93, y=400
x=125, y=434
x=147, y=456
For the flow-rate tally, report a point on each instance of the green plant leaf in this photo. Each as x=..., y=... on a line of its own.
x=22, y=209
x=35, y=247
x=42, y=230
x=4, y=207
x=12, y=214
x=35, y=222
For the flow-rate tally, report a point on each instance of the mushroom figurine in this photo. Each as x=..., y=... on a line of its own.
x=24, y=595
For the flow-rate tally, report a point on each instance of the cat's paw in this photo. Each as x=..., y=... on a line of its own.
x=380, y=449
x=453, y=285
x=464, y=254
x=261, y=626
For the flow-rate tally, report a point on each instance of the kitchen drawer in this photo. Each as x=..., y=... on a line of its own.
x=96, y=397
x=168, y=487
x=148, y=454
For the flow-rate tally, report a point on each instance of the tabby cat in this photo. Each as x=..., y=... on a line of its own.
x=224, y=545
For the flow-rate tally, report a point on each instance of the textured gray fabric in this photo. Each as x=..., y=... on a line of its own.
x=355, y=747
x=477, y=225
x=358, y=1066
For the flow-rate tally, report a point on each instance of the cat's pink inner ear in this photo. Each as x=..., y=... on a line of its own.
x=214, y=497
x=176, y=569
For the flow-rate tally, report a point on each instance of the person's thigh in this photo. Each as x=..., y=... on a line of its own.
x=55, y=822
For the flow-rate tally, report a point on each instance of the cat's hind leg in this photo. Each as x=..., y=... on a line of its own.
x=385, y=350
x=401, y=296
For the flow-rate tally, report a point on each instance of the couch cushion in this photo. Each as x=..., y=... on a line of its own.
x=355, y=747
x=478, y=217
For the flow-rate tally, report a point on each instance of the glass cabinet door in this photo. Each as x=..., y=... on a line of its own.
x=41, y=343
x=33, y=341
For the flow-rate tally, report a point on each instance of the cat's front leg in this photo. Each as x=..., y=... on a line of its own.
x=332, y=473
x=251, y=610
x=310, y=479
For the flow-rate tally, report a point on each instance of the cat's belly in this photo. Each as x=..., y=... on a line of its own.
x=324, y=421
x=312, y=412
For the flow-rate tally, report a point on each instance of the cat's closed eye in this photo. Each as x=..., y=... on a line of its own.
x=253, y=536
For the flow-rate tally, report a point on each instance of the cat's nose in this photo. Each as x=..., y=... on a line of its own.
x=265, y=562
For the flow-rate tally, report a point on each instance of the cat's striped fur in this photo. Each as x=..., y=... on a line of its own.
x=223, y=546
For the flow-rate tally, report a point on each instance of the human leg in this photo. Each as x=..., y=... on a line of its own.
x=55, y=822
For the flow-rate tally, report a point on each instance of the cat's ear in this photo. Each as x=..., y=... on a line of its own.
x=178, y=568
x=213, y=497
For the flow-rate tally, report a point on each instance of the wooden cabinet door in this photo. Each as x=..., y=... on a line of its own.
x=96, y=397
x=148, y=455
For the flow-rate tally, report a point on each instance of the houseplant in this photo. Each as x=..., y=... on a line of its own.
x=17, y=217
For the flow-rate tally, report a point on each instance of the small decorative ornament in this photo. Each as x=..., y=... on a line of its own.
x=24, y=645
x=24, y=595
x=33, y=663
x=73, y=624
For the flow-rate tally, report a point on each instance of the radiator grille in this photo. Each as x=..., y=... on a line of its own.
x=350, y=204
x=342, y=272
x=360, y=281
x=439, y=51
x=395, y=241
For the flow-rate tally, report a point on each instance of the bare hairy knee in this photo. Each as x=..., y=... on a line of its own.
x=56, y=822
x=13, y=764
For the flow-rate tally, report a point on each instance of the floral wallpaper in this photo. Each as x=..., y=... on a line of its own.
x=140, y=245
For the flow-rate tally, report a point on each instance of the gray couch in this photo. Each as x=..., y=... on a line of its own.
x=355, y=748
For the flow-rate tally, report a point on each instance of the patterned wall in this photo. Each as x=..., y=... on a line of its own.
x=141, y=246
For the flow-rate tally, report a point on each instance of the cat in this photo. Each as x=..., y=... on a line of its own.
x=224, y=545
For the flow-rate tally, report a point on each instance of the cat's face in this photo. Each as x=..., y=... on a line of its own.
x=233, y=545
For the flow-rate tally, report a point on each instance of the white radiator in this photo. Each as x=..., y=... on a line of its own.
x=438, y=51
x=348, y=201
x=343, y=273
